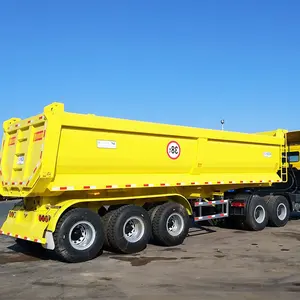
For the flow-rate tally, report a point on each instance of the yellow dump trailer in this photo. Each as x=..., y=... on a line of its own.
x=90, y=182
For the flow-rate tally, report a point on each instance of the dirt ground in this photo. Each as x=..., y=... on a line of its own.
x=213, y=263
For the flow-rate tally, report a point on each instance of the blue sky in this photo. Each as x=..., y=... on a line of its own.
x=180, y=62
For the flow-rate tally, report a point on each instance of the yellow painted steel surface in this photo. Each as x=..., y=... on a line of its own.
x=56, y=152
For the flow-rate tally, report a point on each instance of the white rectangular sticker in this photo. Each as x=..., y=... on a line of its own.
x=106, y=144
x=20, y=160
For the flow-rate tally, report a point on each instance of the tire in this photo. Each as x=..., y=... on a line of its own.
x=68, y=230
x=278, y=209
x=105, y=221
x=165, y=213
x=119, y=229
x=256, y=214
x=152, y=211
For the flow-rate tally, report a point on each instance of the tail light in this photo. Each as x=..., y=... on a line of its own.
x=238, y=204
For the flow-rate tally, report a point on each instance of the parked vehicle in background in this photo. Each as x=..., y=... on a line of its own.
x=281, y=198
x=89, y=183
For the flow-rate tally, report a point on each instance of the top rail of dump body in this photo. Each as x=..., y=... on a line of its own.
x=40, y=154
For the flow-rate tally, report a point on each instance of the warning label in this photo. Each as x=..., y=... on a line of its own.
x=173, y=150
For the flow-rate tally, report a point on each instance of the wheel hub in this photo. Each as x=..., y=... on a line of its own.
x=133, y=229
x=175, y=224
x=82, y=235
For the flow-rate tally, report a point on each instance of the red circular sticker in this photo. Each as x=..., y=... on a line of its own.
x=173, y=150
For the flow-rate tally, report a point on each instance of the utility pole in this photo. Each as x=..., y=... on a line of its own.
x=222, y=124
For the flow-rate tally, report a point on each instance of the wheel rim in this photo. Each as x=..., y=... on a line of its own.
x=133, y=229
x=259, y=214
x=281, y=211
x=175, y=224
x=82, y=235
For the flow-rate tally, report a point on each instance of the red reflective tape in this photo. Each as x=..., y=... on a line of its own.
x=0, y=173
x=35, y=240
x=16, y=236
x=193, y=182
x=230, y=181
x=222, y=201
x=206, y=182
x=87, y=187
x=270, y=180
x=34, y=169
x=8, y=233
x=241, y=181
x=178, y=183
x=162, y=184
x=209, y=217
x=218, y=182
x=44, y=133
x=146, y=184
x=1, y=231
x=128, y=185
x=63, y=188
x=221, y=215
x=25, y=237
x=261, y=181
x=27, y=182
x=20, y=182
x=41, y=117
x=17, y=125
x=209, y=202
x=109, y=186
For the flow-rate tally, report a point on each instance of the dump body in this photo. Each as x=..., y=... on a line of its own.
x=58, y=151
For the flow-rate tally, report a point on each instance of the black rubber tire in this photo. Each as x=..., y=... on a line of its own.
x=63, y=248
x=152, y=211
x=114, y=230
x=272, y=204
x=250, y=222
x=160, y=234
x=105, y=221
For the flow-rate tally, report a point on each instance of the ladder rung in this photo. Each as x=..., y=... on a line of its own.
x=217, y=216
x=210, y=203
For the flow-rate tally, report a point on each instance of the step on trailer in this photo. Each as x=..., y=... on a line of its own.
x=89, y=183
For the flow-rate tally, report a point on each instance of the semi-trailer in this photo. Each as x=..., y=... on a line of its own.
x=89, y=182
